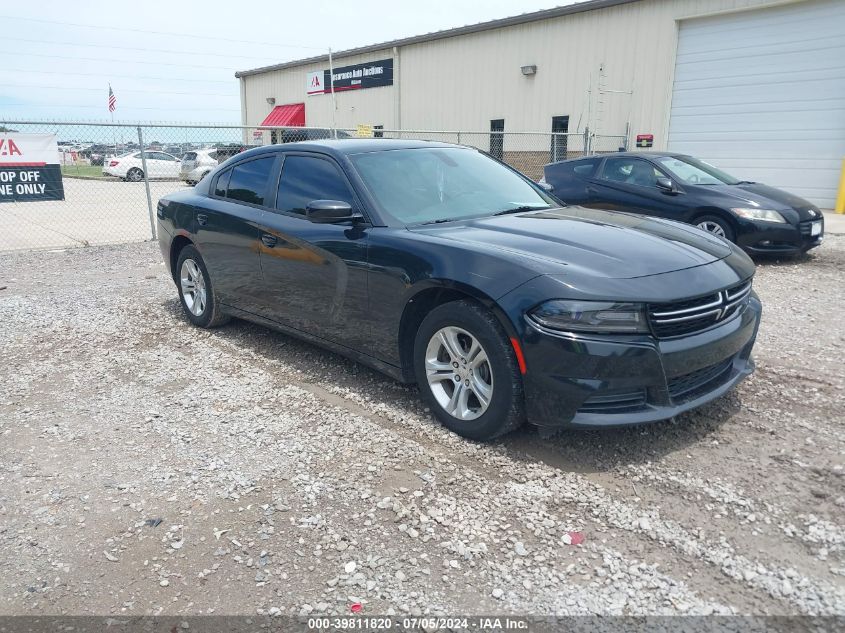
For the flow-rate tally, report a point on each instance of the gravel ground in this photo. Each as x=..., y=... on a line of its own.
x=148, y=467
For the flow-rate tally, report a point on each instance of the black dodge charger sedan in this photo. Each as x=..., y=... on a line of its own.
x=759, y=218
x=437, y=264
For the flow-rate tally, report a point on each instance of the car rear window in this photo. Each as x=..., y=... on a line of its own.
x=190, y=156
x=248, y=182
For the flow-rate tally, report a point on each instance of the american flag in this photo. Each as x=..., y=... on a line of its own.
x=112, y=100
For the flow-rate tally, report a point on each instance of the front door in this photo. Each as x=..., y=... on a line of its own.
x=315, y=275
x=627, y=183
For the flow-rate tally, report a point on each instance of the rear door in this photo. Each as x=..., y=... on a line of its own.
x=228, y=230
x=628, y=183
x=315, y=275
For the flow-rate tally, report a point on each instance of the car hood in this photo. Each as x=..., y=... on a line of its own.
x=764, y=197
x=588, y=241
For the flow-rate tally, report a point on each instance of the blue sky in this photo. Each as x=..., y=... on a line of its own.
x=175, y=61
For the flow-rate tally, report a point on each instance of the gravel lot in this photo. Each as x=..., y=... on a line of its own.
x=148, y=467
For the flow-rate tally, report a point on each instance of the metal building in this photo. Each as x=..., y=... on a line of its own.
x=756, y=87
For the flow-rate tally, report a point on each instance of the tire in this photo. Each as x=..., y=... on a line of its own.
x=200, y=305
x=715, y=225
x=497, y=378
x=134, y=175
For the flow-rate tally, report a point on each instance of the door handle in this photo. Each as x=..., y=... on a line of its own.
x=202, y=219
x=269, y=240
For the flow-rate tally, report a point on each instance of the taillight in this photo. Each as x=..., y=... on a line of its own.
x=114, y=163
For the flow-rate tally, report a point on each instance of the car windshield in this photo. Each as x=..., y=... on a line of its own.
x=441, y=184
x=695, y=172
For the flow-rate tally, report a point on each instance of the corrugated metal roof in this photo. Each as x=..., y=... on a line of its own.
x=589, y=5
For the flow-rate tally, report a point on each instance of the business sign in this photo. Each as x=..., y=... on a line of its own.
x=29, y=168
x=355, y=77
x=645, y=140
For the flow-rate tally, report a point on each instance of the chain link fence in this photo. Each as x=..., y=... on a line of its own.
x=114, y=174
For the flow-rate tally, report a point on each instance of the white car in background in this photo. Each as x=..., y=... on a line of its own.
x=131, y=167
x=197, y=164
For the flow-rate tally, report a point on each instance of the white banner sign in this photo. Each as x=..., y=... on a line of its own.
x=29, y=167
x=28, y=150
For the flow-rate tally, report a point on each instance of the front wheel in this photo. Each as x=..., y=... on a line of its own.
x=196, y=291
x=715, y=225
x=467, y=372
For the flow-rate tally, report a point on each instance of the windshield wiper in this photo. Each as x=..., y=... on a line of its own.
x=440, y=221
x=525, y=207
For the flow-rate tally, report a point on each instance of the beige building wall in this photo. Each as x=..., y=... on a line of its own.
x=604, y=68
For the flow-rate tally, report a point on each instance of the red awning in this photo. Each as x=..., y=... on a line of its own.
x=290, y=114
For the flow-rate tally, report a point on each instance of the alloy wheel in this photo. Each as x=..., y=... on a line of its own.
x=458, y=372
x=712, y=227
x=193, y=287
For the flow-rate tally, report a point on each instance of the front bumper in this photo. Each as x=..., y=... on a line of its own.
x=768, y=238
x=602, y=381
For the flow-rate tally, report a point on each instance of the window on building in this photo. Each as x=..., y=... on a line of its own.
x=376, y=132
x=497, y=138
x=305, y=179
x=560, y=128
x=248, y=182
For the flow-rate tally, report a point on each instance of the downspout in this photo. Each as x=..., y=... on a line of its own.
x=243, y=109
x=397, y=86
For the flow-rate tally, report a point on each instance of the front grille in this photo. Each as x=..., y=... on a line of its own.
x=614, y=402
x=693, y=315
x=690, y=385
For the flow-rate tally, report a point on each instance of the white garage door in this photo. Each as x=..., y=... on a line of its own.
x=761, y=94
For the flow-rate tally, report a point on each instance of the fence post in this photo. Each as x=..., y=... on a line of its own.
x=147, y=182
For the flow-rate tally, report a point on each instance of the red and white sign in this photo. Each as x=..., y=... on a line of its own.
x=28, y=150
x=314, y=83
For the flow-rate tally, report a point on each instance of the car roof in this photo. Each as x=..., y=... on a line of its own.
x=623, y=154
x=340, y=147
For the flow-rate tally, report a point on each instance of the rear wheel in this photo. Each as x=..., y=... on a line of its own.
x=134, y=175
x=196, y=291
x=715, y=225
x=467, y=372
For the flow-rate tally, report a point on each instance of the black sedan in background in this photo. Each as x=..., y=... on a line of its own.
x=759, y=218
x=437, y=264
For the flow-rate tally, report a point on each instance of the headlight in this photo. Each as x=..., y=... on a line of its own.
x=767, y=215
x=591, y=316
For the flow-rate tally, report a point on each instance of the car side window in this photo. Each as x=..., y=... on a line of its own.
x=630, y=171
x=305, y=179
x=248, y=181
x=586, y=167
x=222, y=183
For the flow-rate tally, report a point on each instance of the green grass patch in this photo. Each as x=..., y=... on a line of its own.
x=82, y=170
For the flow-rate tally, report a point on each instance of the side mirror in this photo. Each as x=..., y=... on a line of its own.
x=665, y=185
x=330, y=211
x=544, y=185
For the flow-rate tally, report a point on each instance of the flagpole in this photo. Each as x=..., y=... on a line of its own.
x=113, y=129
